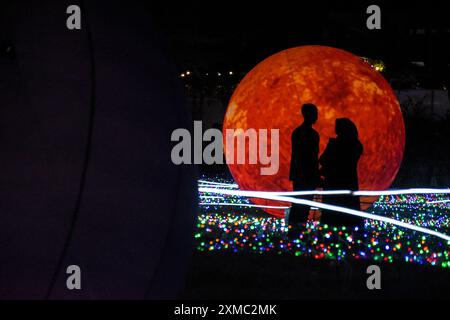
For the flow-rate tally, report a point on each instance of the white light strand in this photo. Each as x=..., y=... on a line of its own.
x=359, y=193
x=221, y=184
x=243, y=205
x=438, y=201
x=211, y=197
x=401, y=191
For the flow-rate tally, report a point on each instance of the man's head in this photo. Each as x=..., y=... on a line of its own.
x=310, y=113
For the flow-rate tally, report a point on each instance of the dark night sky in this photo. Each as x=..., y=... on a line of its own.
x=222, y=35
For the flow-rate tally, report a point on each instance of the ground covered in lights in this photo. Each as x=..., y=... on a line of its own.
x=232, y=224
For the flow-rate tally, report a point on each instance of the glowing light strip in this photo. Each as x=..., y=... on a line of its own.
x=401, y=191
x=312, y=192
x=360, y=193
x=274, y=196
x=212, y=197
x=219, y=184
x=438, y=201
x=242, y=205
x=231, y=185
x=209, y=186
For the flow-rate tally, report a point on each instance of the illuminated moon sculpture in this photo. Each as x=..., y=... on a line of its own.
x=341, y=85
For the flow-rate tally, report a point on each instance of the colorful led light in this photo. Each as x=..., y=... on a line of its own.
x=244, y=228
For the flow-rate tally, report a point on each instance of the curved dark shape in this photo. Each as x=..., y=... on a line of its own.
x=339, y=164
x=85, y=171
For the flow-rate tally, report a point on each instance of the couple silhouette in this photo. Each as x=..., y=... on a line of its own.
x=335, y=169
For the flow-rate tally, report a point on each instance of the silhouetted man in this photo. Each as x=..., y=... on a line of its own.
x=304, y=171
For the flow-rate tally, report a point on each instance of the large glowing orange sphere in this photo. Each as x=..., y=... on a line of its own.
x=340, y=84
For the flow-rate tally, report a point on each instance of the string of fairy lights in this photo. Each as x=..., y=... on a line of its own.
x=233, y=224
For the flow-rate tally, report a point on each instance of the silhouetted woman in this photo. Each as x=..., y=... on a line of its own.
x=339, y=163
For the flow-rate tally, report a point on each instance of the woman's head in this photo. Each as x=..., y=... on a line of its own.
x=345, y=128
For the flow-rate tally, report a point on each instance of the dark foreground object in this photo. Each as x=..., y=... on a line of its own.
x=86, y=176
x=254, y=276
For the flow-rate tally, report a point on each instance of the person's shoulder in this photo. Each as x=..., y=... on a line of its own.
x=332, y=141
x=314, y=132
x=297, y=131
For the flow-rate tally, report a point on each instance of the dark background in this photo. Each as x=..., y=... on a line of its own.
x=232, y=35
